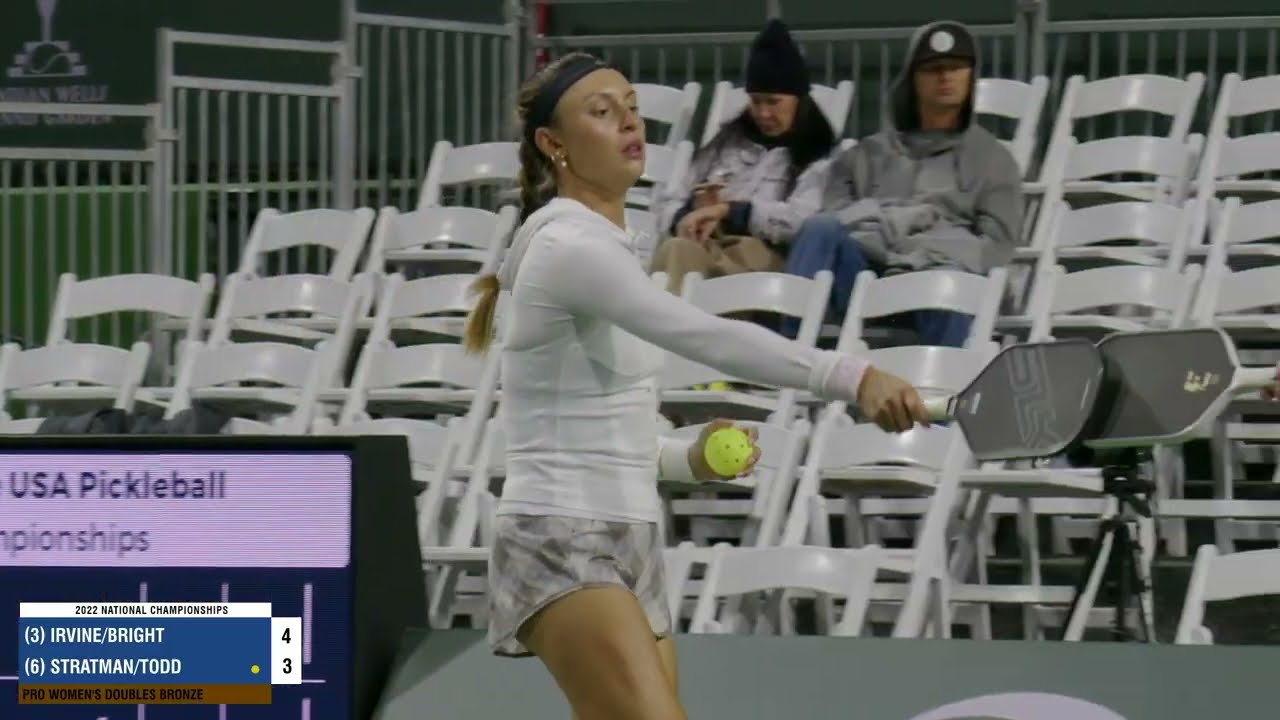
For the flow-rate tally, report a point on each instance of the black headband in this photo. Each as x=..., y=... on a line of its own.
x=544, y=103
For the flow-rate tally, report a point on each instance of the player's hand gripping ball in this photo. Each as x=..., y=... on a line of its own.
x=727, y=451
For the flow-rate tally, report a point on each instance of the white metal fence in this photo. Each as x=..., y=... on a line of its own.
x=245, y=143
x=89, y=210
x=425, y=80
x=1167, y=46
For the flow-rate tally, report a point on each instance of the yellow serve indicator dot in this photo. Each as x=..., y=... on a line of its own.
x=255, y=669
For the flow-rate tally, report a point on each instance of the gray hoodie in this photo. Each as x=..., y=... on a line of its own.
x=916, y=199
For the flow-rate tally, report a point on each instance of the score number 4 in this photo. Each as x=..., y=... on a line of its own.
x=286, y=651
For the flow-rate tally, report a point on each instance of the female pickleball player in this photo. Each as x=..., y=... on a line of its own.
x=575, y=573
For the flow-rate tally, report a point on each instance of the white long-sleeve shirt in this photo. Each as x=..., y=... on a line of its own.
x=584, y=335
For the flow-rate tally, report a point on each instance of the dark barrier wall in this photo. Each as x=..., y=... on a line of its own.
x=684, y=15
x=452, y=675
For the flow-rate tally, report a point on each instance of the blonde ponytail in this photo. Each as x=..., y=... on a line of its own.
x=477, y=335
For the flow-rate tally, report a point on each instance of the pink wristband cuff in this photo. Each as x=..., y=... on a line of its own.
x=844, y=378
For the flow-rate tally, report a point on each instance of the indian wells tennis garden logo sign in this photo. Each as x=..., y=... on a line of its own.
x=46, y=69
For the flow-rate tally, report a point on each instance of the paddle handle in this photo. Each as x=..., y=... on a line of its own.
x=939, y=408
x=1254, y=378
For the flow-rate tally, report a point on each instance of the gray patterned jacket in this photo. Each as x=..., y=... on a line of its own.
x=755, y=174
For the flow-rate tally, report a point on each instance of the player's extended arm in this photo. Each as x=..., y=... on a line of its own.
x=596, y=276
x=673, y=460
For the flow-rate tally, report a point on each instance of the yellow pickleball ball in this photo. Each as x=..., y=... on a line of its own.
x=255, y=669
x=728, y=451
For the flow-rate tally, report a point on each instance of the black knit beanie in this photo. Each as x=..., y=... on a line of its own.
x=775, y=64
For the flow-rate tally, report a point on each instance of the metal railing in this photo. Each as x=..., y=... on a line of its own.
x=242, y=144
x=425, y=80
x=1166, y=46
x=92, y=211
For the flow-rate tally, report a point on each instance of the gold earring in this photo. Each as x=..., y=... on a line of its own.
x=561, y=160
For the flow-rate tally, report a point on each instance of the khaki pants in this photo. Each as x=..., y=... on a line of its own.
x=732, y=255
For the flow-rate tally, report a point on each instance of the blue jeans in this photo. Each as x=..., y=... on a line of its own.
x=824, y=244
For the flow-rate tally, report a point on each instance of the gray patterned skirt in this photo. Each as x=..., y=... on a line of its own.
x=538, y=559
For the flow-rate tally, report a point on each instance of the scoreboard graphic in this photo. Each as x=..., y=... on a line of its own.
x=193, y=585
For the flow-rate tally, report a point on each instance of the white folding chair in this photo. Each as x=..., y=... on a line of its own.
x=299, y=308
x=1240, y=301
x=789, y=295
x=492, y=163
x=439, y=235
x=274, y=383
x=455, y=523
x=1019, y=101
x=948, y=290
x=1217, y=576
x=1228, y=161
x=1244, y=235
x=1065, y=303
x=1244, y=303
x=427, y=440
x=671, y=106
x=664, y=166
x=734, y=572
x=432, y=380
x=178, y=306
x=181, y=302
x=70, y=377
x=1125, y=232
x=427, y=309
x=727, y=102
x=1175, y=98
x=679, y=563
x=1082, y=172
x=343, y=232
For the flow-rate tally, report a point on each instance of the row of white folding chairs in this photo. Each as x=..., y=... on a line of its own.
x=733, y=574
x=1178, y=162
x=339, y=311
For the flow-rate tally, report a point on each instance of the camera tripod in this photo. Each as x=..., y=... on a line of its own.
x=1116, y=559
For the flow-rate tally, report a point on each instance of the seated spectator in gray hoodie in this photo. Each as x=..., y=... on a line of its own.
x=933, y=190
x=751, y=187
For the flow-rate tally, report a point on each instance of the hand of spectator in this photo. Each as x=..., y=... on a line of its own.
x=698, y=452
x=688, y=227
x=890, y=402
x=1273, y=392
x=706, y=194
x=702, y=223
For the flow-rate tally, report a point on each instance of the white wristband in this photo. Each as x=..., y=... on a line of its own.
x=673, y=461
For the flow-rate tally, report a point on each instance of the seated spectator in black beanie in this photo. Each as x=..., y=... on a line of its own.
x=758, y=180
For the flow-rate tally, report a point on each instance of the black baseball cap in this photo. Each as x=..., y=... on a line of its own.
x=945, y=40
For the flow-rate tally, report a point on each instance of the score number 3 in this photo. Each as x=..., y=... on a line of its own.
x=286, y=651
